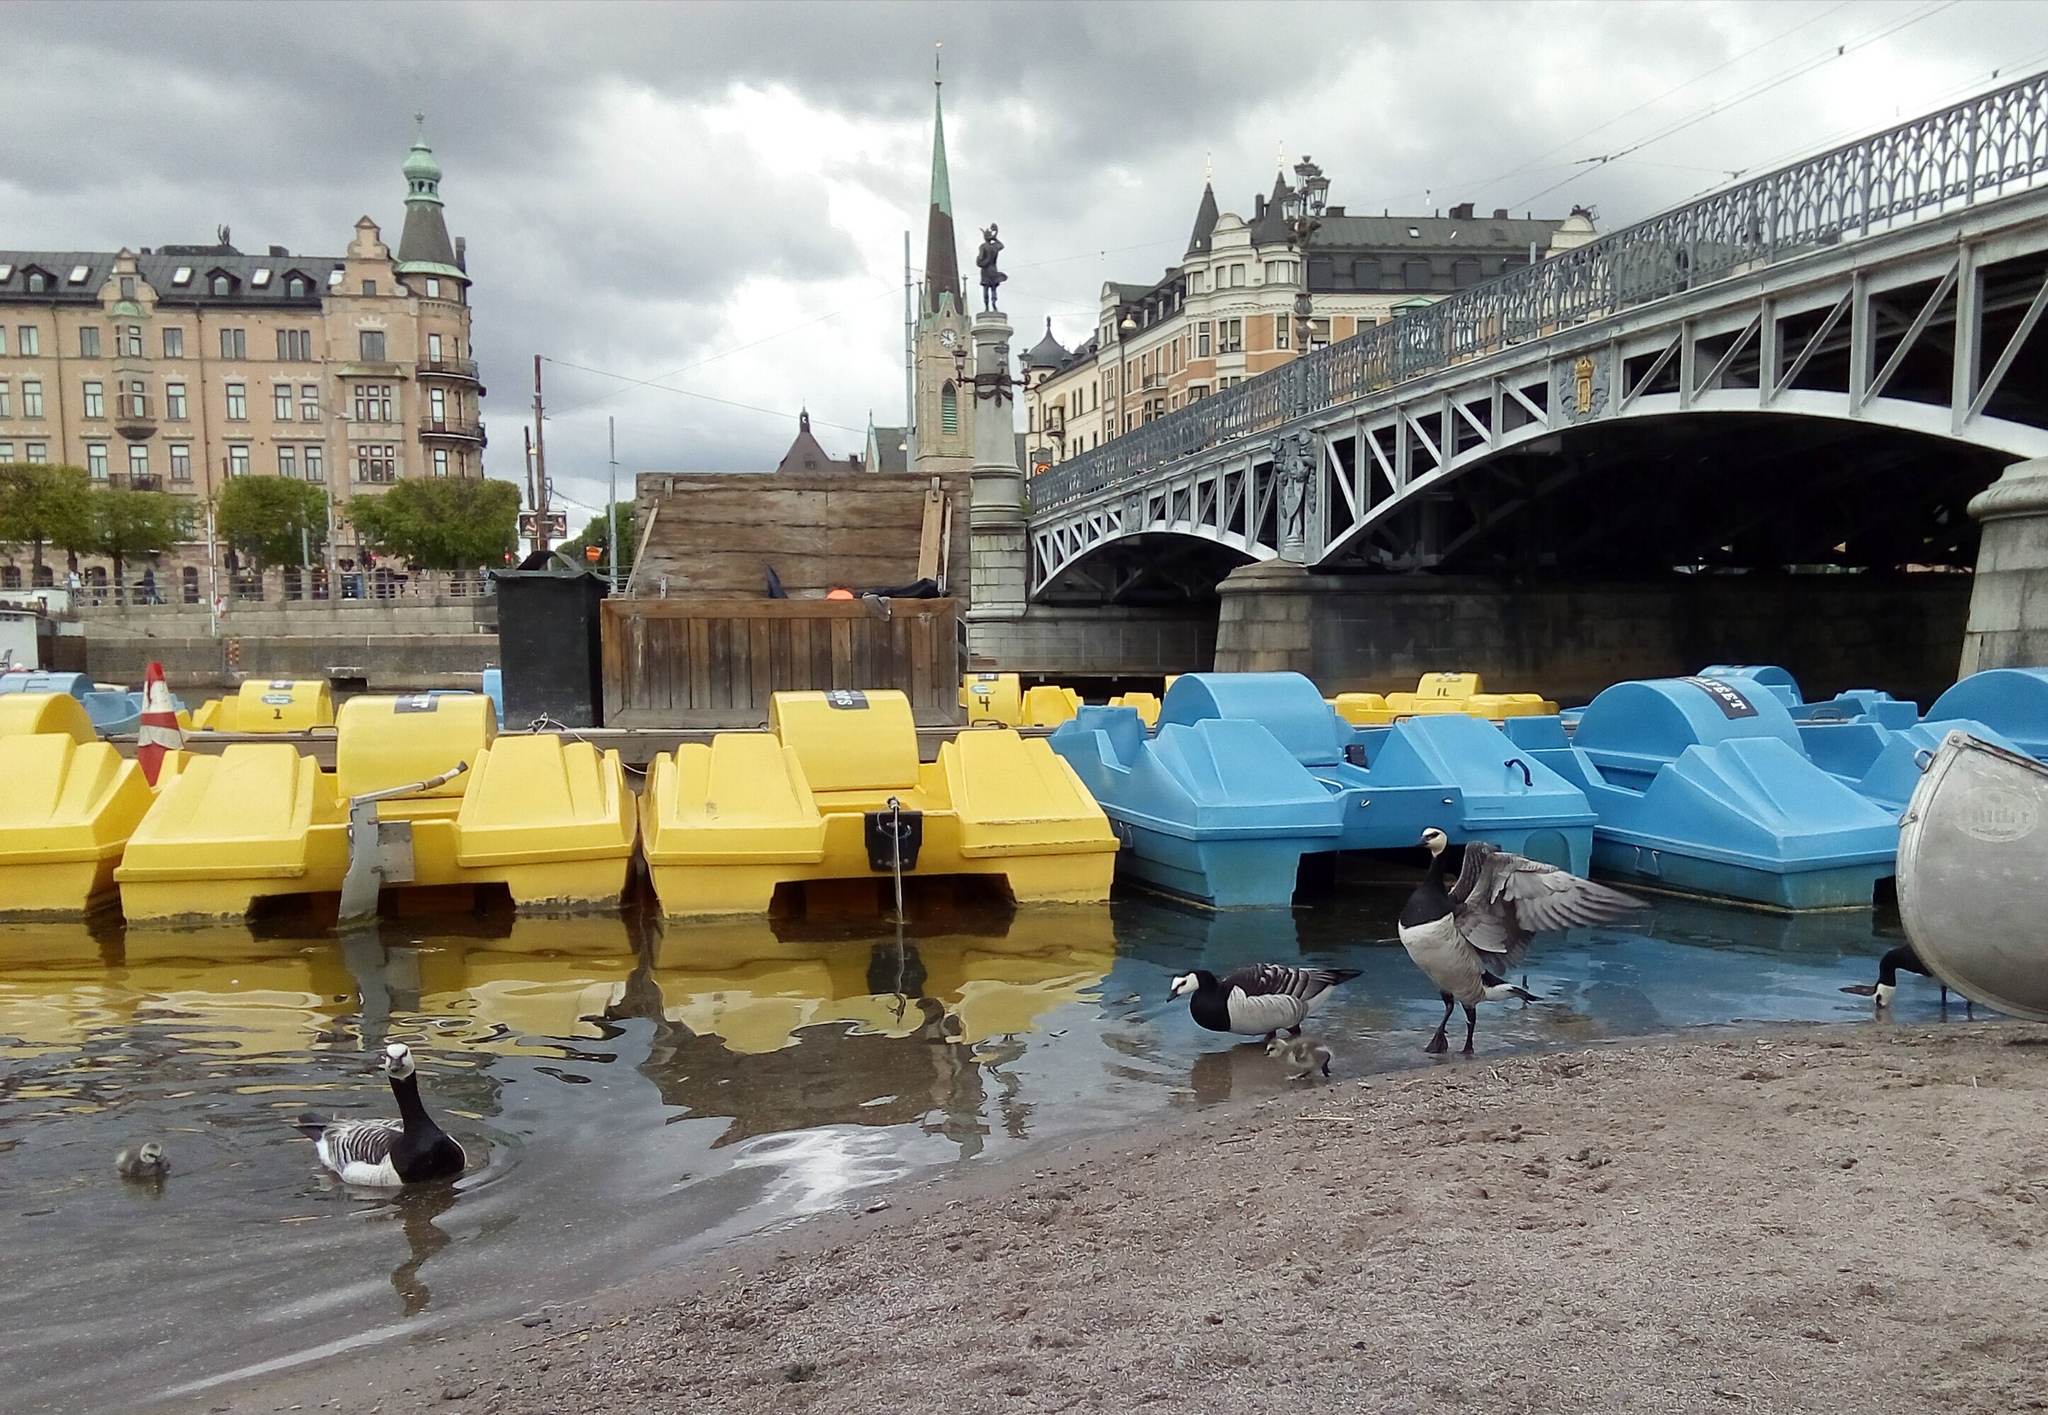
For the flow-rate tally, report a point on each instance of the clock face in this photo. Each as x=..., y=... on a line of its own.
x=948, y=338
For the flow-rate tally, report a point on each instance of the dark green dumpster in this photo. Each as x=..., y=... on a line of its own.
x=548, y=646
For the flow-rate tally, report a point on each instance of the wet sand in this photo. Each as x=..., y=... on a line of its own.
x=1836, y=1218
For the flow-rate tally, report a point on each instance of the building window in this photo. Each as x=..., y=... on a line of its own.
x=1415, y=274
x=294, y=345
x=181, y=461
x=433, y=288
x=1230, y=336
x=1202, y=339
x=88, y=341
x=315, y=471
x=131, y=340
x=32, y=398
x=31, y=341
x=36, y=453
x=437, y=401
x=174, y=342
x=6, y=402
x=433, y=348
x=6, y=453
x=36, y=281
x=369, y=287
x=127, y=287
x=287, y=462
x=281, y=401
x=440, y=461
x=373, y=403
x=296, y=287
x=190, y=580
x=134, y=399
x=949, y=409
x=96, y=460
x=377, y=463
x=3, y=338
x=222, y=285
x=238, y=459
x=372, y=342
x=138, y=464
x=238, y=403
x=309, y=403
x=95, y=399
x=1236, y=277
x=1280, y=323
x=174, y=402
x=234, y=343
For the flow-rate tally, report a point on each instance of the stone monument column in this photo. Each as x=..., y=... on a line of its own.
x=2008, y=625
x=1000, y=548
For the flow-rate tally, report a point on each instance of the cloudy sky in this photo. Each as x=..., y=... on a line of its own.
x=695, y=212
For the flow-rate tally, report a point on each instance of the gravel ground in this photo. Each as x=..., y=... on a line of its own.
x=1839, y=1219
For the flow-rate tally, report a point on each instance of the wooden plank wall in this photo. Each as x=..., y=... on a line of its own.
x=718, y=532
x=714, y=662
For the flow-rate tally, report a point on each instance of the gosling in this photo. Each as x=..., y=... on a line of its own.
x=145, y=1163
x=1302, y=1056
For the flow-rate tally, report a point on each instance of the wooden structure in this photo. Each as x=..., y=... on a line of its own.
x=719, y=533
x=715, y=662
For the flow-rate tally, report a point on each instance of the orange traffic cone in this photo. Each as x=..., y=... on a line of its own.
x=159, y=732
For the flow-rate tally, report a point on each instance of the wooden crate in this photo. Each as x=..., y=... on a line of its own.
x=715, y=662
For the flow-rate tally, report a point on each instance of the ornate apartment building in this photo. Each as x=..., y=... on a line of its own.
x=1227, y=311
x=179, y=368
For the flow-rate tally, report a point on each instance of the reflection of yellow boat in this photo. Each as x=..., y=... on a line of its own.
x=550, y=820
x=740, y=982
x=725, y=823
x=1460, y=694
x=68, y=805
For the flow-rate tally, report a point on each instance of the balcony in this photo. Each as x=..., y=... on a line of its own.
x=458, y=429
x=135, y=481
x=447, y=368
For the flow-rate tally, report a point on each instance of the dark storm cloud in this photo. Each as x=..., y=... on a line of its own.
x=646, y=187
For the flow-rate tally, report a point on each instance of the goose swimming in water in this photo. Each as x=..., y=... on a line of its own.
x=1466, y=937
x=145, y=1163
x=384, y=1154
x=1262, y=999
x=1888, y=979
x=1302, y=1056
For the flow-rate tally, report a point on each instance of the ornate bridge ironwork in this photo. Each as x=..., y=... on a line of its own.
x=1811, y=290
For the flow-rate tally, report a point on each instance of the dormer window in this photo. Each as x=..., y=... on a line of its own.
x=37, y=282
x=1414, y=233
x=79, y=272
x=222, y=283
x=296, y=287
x=261, y=279
x=6, y=273
x=127, y=287
x=182, y=275
x=334, y=278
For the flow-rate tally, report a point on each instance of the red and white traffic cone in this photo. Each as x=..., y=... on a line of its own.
x=159, y=732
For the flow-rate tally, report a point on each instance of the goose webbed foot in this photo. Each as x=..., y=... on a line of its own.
x=1438, y=1043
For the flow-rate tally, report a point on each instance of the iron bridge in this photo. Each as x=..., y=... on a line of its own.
x=1816, y=366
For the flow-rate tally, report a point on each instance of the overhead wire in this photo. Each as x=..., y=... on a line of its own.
x=689, y=393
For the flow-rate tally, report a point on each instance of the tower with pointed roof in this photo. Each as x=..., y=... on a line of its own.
x=945, y=410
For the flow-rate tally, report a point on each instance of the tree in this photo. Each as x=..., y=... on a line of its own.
x=42, y=503
x=129, y=523
x=272, y=520
x=595, y=534
x=441, y=523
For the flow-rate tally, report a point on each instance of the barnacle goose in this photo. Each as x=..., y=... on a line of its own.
x=387, y=1153
x=1262, y=999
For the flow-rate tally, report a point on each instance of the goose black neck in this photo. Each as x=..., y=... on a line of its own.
x=1429, y=902
x=410, y=1110
x=1901, y=957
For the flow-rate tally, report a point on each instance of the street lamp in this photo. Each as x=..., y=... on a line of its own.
x=1305, y=208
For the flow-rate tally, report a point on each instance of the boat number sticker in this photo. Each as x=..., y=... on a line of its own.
x=1731, y=703
x=988, y=677
x=278, y=699
x=418, y=702
x=280, y=682
x=847, y=698
x=1995, y=815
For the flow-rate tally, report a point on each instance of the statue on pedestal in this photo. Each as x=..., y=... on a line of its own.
x=985, y=258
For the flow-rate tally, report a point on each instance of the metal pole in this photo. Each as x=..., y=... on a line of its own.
x=540, y=462
x=909, y=362
x=212, y=576
x=611, y=509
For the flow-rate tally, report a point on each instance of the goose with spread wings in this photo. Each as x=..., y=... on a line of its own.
x=1467, y=936
x=1259, y=1000
x=384, y=1154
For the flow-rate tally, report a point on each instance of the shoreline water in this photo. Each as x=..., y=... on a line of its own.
x=1795, y=1217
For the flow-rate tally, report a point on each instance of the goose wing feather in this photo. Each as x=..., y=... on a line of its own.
x=366, y=1142
x=1282, y=979
x=1502, y=901
x=1265, y=1012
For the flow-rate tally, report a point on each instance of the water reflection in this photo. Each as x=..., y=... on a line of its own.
x=630, y=1095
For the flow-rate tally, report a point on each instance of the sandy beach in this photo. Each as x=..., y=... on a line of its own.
x=1838, y=1218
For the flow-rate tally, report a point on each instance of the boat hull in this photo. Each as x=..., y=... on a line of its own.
x=1973, y=874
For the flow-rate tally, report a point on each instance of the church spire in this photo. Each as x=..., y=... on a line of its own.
x=941, y=255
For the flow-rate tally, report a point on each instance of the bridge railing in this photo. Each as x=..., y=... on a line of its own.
x=1984, y=146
